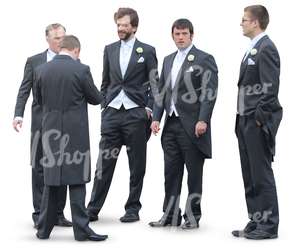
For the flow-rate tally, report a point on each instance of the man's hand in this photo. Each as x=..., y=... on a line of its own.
x=17, y=124
x=155, y=127
x=200, y=128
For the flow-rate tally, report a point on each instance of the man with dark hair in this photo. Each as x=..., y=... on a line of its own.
x=187, y=92
x=64, y=86
x=258, y=117
x=180, y=24
x=54, y=34
x=126, y=115
x=134, y=18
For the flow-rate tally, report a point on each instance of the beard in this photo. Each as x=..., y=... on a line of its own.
x=123, y=35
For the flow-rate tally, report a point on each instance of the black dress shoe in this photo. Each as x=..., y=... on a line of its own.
x=249, y=228
x=165, y=223
x=63, y=222
x=190, y=225
x=93, y=218
x=238, y=233
x=41, y=237
x=93, y=237
x=258, y=234
x=130, y=217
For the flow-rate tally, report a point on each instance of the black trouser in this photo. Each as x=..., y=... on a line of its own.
x=179, y=150
x=49, y=207
x=38, y=180
x=259, y=182
x=120, y=127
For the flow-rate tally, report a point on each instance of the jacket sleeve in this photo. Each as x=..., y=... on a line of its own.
x=159, y=93
x=24, y=90
x=152, y=76
x=105, y=77
x=36, y=87
x=209, y=89
x=269, y=71
x=90, y=91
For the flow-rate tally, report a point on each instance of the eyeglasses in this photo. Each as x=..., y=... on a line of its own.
x=246, y=20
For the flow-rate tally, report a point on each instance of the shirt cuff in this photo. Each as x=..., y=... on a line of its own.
x=18, y=118
x=148, y=109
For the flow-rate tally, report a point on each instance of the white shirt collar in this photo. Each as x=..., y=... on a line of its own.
x=66, y=53
x=128, y=43
x=186, y=50
x=257, y=38
x=51, y=53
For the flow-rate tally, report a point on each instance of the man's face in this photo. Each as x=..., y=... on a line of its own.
x=182, y=38
x=54, y=37
x=125, y=29
x=249, y=25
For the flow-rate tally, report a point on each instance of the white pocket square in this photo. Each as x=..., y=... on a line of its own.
x=141, y=60
x=191, y=69
x=250, y=62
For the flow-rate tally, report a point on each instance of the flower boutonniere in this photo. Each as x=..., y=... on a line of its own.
x=191, y=58
x=139, y=50
x=253, y=52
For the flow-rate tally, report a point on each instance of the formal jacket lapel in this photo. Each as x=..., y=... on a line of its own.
x=168, y=68
x=133, y=59
x=44, y=57
x=116, y=60
x=244, y=63
x=168, y=79
x=41, y=59
x=185, y=65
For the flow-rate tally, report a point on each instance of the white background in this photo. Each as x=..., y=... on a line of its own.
x=217, y=31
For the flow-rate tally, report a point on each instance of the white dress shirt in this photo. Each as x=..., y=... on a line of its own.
x=50, y=55
x=125, y=54
x=253, y=43
x=176, y=67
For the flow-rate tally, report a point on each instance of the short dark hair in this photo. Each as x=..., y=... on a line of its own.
x=183, y=23
x=260, y=13
x=51, y=27
x=70, y=42
x=134, y=18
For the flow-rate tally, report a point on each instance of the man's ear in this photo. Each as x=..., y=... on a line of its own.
x=77, y=51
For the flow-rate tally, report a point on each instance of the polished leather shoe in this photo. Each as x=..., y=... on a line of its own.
x=41, y=237
x=165, y=223
x=258, y=234
x=249, y=228
x=93, y=218
x=190, y=225
x=93, y=237
x=130, y=217
x=63, y=222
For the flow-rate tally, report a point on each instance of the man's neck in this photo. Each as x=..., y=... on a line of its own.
x=255, y=34
x=130, y=38
x=67, y=53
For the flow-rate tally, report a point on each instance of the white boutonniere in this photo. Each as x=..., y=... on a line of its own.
x=191, y=58
x=253, y=52
x=139, y=50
